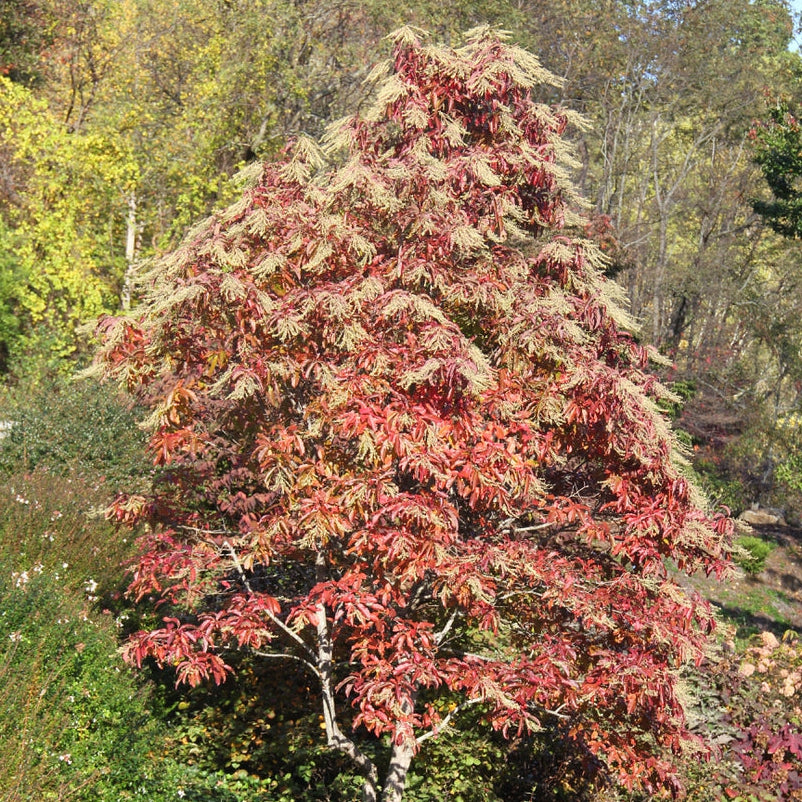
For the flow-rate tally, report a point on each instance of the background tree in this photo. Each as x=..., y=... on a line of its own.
x=771, y=308
x=65, y=248
x=779, y=145
x=25, y=31
x=406, y=442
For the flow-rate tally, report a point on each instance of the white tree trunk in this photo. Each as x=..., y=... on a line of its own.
x=396, y=779
x=130, y=253
x=335, y=737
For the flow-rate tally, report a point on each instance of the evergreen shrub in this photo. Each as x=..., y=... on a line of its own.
x=754, y=551
x=72, y=426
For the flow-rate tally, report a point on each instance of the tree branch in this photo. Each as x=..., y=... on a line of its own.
x=508, y=525
x=334, y=735
x=447, y=720
x=557, y=712
x=440, y=636
x=277, y=621
x=287, y=656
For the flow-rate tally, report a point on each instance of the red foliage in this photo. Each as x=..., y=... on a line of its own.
x=404, y=438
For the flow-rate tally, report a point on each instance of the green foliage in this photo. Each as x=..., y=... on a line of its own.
x=73, y=722
x=778, y=148
x=789, y=472
x=460, y=765
x=66, y=207
x=260, y=724
x=754, y=551
x=72, y=719
x=75, y=427
x=11, y=278
x=166, y=779
x=720, y=486
x=51, y=520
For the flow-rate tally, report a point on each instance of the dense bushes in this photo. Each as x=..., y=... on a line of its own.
x=74, y=723
x=76, y=427
x=752, y=712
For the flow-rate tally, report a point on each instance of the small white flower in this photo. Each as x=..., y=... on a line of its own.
x=15, y=637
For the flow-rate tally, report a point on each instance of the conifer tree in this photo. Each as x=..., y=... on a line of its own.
x=405, y=439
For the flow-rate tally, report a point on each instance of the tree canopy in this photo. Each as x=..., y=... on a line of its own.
x=405, y=436
x=779, y=146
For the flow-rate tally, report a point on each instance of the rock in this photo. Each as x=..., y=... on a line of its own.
x=760, y=518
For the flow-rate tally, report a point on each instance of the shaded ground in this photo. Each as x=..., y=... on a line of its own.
x=770, y=600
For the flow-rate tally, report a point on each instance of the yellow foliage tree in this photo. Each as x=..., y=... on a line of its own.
x=63, y=215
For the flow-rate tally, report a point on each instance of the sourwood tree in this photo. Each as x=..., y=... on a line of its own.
x=405, y=439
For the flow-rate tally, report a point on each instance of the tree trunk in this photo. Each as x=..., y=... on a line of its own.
x=335, y=737
x=396, y=779
x=130, y=253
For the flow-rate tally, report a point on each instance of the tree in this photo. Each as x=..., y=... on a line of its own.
x=675, y=112
x=24, y=33
x=778, y=147
x=405, y=440
x=62, y=212
x=771, y=308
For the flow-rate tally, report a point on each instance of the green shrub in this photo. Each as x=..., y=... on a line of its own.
x=51, y=520
x=73, y=427
x=73, y=721
x=753, y=553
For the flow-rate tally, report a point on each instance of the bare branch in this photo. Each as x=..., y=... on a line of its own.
x=557, y=712
x=508, y=524
x=277, y=621
x=198, y=531
x=439, y=637
x=287, y=656
x=447, y=720
x=533, y=528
